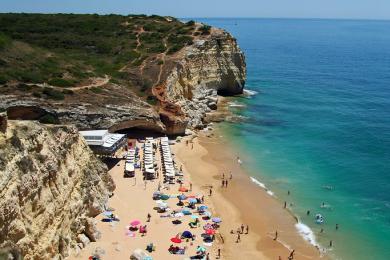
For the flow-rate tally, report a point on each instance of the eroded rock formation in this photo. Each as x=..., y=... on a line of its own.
x=51, y=187
x=185, y=87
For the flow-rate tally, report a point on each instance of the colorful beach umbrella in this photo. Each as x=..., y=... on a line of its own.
x=183, y=189
x=207, y=214
x=182, y=197
x=186, y=234
x=201, y=249
x=194, y=216
x=210, y=231
x=176, y=240
x=107, y=213
x=192, y=200
x=164, y=197
x=203, y=208
x=135, y=223
x=216, y=220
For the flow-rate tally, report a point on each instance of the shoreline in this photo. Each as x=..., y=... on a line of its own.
x=266, y=214
x=242, y=202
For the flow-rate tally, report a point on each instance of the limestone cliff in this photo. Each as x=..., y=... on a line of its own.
x=212, y=66
x=51, y=187
x=178, y=88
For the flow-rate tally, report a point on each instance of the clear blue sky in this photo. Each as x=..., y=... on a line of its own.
x=365, y=9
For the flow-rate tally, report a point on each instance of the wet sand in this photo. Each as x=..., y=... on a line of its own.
x=243, y=202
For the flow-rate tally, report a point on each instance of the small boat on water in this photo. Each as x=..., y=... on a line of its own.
x=319, y=219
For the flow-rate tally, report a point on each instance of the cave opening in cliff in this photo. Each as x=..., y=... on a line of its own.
x=139, y=133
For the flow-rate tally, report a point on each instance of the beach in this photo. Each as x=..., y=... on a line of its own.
x=204, y=159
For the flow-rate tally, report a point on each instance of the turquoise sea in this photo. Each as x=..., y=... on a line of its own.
x=321, y=117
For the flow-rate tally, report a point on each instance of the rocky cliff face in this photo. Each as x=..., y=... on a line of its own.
x=212, y=66
x=51, y=187
x=185, y=87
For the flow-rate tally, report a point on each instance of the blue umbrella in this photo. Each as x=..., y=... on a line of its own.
x=192, y=200
x=186, y=234
x=208, y=214
x=216, y=220
x=186, y=212
x=182, y=197
x=194, y=216
x=203, y=207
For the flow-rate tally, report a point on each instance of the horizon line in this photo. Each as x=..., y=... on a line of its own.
x=217, y=17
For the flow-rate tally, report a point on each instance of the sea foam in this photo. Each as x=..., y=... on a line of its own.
x=306, y=233
x=235, y=104
x=262, y=185
x=248, y=92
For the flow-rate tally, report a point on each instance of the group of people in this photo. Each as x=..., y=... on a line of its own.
x=240, y=231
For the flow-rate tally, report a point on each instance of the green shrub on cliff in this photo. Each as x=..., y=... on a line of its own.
x=53, y=94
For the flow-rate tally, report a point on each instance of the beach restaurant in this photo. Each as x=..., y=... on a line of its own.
x=102, y=142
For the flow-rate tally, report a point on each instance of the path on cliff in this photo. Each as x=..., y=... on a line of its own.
x=162, y=58
x=96, y=82
x=139, y=32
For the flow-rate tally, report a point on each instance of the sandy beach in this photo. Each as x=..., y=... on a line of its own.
x=204, y=160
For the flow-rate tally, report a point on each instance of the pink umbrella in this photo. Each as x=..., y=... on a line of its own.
x=135, y=223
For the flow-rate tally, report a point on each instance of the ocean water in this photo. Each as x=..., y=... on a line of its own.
x=320, y=118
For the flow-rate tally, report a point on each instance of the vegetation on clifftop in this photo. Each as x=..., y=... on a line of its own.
x=65, y=50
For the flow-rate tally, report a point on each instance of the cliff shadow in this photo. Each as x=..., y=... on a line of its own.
x=111, y=162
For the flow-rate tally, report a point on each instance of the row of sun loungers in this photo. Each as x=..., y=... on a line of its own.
x=130, y=164
x=149, y=161
x=168, y=165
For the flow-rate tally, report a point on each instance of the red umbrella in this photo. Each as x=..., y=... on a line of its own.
x=210, y=231
x=176, y=240
x=183, y=189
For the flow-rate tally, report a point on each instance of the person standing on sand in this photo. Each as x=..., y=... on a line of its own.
x=285, y=205
x=223, y=183
x=202, y=198
x=226, y=183
x=192, y=146
x=219, y=253
x=247, y=230
x=242, y=228
x=190, y=186
x=276, y=235
x=238, y=237
x=148, y=217
x=210, y=191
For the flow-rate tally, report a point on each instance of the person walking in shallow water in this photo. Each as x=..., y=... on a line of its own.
x=291, y=256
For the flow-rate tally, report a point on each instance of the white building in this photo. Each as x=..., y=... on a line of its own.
x=103, y=142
